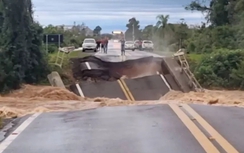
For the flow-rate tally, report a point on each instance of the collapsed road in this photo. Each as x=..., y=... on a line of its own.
x=160, y=128
x=142, y=76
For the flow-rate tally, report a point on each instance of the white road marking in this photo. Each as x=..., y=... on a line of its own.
x=17, y=132
x=79, y=90
x=88, y=65
x=165, y=81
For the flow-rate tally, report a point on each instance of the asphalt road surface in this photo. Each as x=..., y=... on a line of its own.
x=132, y=129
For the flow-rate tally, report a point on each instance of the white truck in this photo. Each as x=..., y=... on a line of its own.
x=89, y=44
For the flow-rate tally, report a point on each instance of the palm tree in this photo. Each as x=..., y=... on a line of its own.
x=162, y=21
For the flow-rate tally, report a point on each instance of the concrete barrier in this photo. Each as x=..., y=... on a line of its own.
x=55, y=79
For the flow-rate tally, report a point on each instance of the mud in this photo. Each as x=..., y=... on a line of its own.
x=209, y=97
x=41, y=93
x=29, y=100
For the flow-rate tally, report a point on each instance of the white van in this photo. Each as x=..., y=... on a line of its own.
x=89, y=44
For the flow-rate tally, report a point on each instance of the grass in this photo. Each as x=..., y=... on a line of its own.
x=192, y=56
x=75, y=54
x=195, y=57
x=65, y=72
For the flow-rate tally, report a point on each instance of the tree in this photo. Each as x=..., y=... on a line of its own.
x=148, y=31
x=218, y=11
x=1, y=16
x=133, y=25
x=73, y=36
x=97, y=30
x=21, y=57
x=162, y=23
x=215, y=47
x=37, y=67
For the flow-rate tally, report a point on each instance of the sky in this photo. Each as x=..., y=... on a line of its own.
x=111, y=14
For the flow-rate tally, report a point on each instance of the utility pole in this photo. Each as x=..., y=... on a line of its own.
x=180, y=44
x=73, y=29
x=133, y=32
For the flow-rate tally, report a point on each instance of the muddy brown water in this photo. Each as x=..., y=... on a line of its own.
x=31, y=99
x=28, y=100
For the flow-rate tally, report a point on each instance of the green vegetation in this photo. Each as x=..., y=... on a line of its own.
x=73, y=36
x=21, y=56
x=215, y=48
x=222, y=68
x=64, y=72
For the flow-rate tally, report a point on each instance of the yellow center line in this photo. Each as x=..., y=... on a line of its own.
x=196, y=132
x=123, y=89
x=127, y=89
x=220, y=139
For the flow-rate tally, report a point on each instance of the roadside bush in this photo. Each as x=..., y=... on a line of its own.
x=52, y=48
x=223, y=68
x=9, y=77
x=238, y=76
x=194, y=60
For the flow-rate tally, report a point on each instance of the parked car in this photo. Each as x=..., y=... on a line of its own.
x=89, y=44
x=129, y=45
x=147, y=45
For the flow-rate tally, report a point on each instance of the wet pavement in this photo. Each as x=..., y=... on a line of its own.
x=134, y=129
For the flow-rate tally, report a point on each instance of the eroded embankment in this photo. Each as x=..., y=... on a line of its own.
x=101, y=69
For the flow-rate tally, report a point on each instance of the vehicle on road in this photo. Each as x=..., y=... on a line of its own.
x=137, y=44
x=147, y=45
x=89, y=44
x=129, y=45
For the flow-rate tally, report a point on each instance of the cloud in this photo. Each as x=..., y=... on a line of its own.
x=108, y=12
